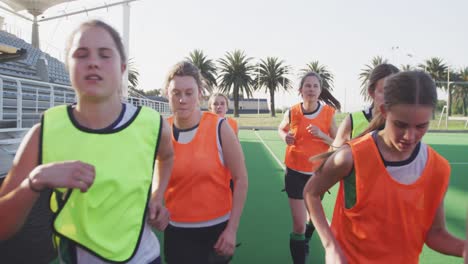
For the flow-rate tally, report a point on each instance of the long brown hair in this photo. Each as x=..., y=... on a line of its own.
x=411, y=87
x=325, y=95
x=379, y=72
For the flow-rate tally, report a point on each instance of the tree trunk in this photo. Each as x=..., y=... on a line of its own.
x=272, y=102
x=236, y=101
x=464, y=106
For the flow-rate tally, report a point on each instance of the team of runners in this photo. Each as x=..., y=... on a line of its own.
x=109, y=172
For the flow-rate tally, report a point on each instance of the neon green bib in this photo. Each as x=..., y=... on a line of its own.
x=109, y=218
x=359, y=123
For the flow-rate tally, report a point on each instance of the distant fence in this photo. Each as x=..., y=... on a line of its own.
x=22, y=101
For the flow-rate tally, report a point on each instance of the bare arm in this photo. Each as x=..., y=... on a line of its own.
x=164, y=162
x=234, y=160
x=17, y=196
x=344, y=133
x=332, y=132
x=335, y=168
x=159, y=216
x=237, y=130
x=283, y=130
x=16, y=199
x=440, y=240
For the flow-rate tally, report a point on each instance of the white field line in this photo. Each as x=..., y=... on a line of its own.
x=271, y=152
x=278, y=161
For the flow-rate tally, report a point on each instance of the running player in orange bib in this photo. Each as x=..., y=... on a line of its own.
x=219, y=104
x=205, y=214
x=308, y=128
x=392, y=185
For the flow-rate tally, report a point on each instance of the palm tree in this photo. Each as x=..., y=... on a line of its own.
x=437, y=69
x=272, y=76
x=154, y=92
x=206, y=66
x=133, y=74
x=460, y=89
x=235, y=75
x=323, y=72
x=407, y=67
x=366, y=72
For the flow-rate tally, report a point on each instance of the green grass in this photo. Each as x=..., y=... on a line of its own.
x=266, y=121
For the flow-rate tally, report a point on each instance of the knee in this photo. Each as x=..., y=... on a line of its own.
x=299, y=226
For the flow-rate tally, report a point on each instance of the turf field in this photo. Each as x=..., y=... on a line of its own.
x=266, y=221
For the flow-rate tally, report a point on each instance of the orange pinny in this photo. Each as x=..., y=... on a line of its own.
x=390, y=220
x=307, y=145
x=198, y=189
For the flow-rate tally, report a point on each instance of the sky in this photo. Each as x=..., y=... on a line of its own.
x=342, y=35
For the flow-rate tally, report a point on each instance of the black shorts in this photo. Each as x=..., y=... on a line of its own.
x=193, y=245
x=294, y=183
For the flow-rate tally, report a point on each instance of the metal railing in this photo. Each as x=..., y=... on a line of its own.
x=25, y=100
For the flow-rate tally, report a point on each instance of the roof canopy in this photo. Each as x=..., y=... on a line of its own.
x=34, y=7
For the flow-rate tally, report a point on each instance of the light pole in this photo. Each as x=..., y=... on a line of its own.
x=258, y=87
x=449, y=93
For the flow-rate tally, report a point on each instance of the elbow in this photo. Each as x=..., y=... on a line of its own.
x=431, y=240
x=241, y=186
x=312, y=201
x=442, y=241
x=310, y=196
x=242, y=183
x=310, y=191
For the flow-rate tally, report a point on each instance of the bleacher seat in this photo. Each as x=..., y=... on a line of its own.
x=26, y=67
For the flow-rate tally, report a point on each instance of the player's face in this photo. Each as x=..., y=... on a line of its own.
x=405, y=125
x=310, y=90
x=183, y=94
x=95, y=64
x=219, y=106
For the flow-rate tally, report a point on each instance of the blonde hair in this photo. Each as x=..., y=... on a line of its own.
x=213, y=97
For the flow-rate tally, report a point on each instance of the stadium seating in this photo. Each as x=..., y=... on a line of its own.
x=26, y=67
